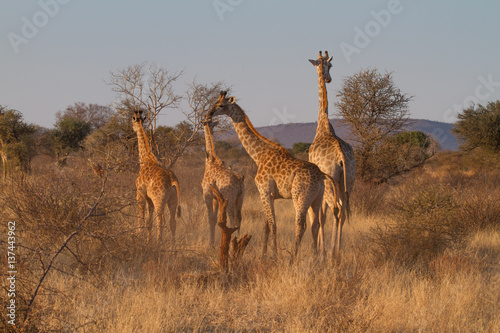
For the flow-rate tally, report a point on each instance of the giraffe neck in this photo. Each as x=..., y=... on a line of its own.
x=209, y=146
x=145, y=154
x=323, y=121
x=254, y=143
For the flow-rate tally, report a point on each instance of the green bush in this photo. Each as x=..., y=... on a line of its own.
x=479, y=126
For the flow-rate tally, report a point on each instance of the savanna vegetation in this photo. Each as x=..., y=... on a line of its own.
x=421, y=249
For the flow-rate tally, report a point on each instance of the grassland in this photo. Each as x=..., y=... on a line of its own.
x=420, y=255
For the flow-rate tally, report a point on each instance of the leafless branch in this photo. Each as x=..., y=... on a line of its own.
x=63, y=246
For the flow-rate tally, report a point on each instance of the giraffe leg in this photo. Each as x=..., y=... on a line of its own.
x=316, y=226
x=339, y=214
x=212, y=209
x=340, y=225
x=270, y=225
x=328, y=201
x=322, y=222
x=159, y=205
x=239, y=206
x=300, y=228
x=231, y=213
x=149, y=219
x=141, y=201
x=172, y=209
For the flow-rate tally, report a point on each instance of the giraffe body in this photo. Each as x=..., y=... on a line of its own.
x=279, y=175
x=156, y=186
x=228, y=182
x=333, y=156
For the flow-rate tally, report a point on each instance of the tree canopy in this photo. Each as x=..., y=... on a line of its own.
x=377, y=112
x=16, y=140
x=479, y=126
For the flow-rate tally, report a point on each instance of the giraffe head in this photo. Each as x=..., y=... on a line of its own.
x=324, y=64
x=210, y=122
x=222, y=106
x=137, y=120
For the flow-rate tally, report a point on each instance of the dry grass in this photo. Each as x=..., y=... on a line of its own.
x=110, y=281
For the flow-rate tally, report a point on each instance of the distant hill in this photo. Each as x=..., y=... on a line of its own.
x=288, y=134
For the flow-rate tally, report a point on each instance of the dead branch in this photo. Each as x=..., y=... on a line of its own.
x=238, y=247
x=226, y=231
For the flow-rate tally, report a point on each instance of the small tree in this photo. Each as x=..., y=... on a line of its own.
x=376, y=109
x=68, y=134
x=479, y=126
x=114, y=145
x=95, y=115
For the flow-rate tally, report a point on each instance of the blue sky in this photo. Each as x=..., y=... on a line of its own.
x=444, y=53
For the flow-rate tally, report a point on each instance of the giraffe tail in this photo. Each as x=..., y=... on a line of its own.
x=335, y=189
x=177, y=188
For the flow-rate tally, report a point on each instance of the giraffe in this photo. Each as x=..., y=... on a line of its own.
x=333, y=156
x=229, y=183
x=279, y=176
x=155, y=186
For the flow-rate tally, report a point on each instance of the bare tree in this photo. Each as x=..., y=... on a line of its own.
x=149, y=88
x=375, y=108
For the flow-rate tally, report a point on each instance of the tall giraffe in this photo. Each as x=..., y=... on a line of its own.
x=332, y=155
x=279, y=175
x=156, y=186
x=229, y=183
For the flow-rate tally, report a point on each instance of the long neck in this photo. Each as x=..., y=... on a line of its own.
x=323, y=121
x=209, y=145
x=253, y=142
x=144, y=150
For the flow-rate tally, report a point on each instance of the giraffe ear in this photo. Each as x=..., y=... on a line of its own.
x=330, y=59
x=314, y=62
x=231, y=100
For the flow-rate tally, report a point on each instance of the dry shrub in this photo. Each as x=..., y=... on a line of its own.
x=108, y=280
x=479, y=202
x=423, y=225
x=368, y=198
x=47, y=210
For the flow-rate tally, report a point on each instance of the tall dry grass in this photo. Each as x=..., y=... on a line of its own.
x=420, y=255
